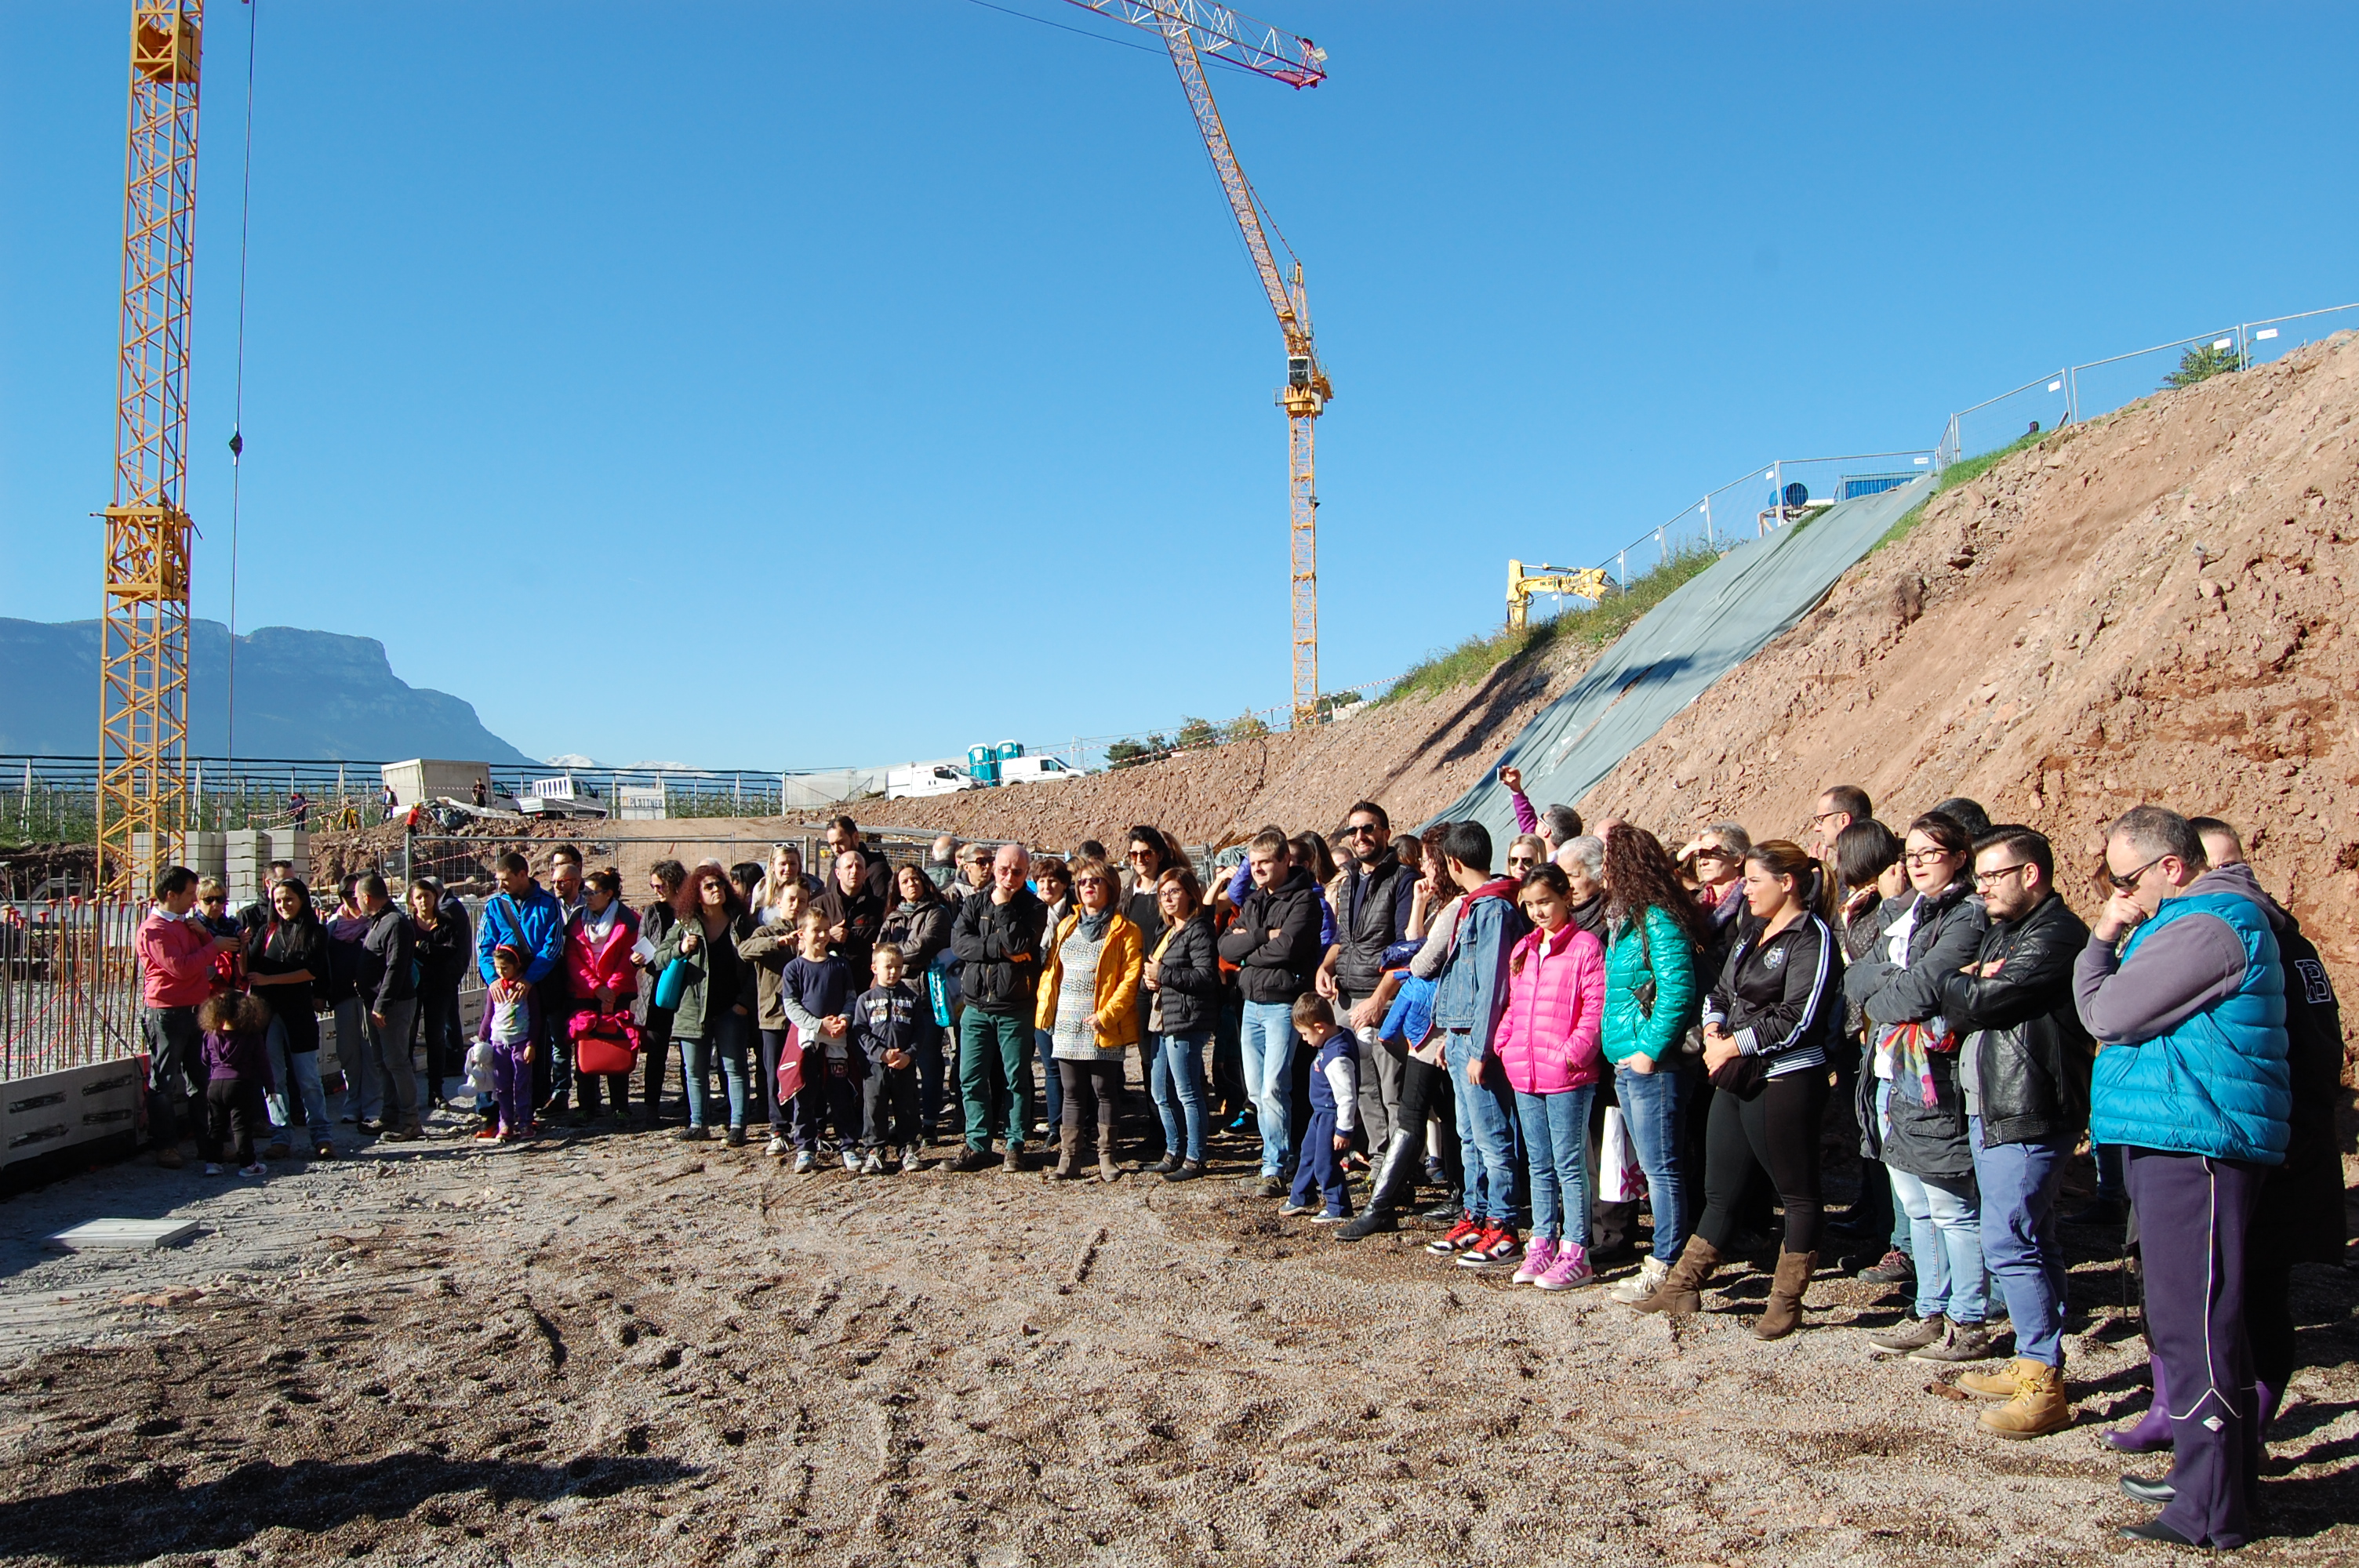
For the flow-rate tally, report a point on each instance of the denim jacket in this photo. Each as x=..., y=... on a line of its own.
x=1471, y=990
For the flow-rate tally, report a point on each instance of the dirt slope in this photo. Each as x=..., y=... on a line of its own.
x=2149, y=606
x=1413, y=756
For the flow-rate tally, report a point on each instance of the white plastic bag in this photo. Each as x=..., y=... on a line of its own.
x=1619, y=1179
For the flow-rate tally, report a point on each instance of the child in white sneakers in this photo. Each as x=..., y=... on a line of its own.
x=1334, y=1096
x=815, y=989
x=891, y=1023
x=1547, y=1040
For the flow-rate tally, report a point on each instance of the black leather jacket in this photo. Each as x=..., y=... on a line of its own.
x=2031, y=1057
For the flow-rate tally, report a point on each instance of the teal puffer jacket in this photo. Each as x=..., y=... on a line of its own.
x=1664, y=953
x=2216, y=1083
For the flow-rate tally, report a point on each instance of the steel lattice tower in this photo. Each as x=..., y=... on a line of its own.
x=143, y=725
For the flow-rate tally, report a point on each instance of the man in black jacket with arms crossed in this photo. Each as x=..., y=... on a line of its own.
x=2024, y=1070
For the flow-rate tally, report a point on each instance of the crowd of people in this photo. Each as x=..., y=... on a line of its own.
x=1402, y=1025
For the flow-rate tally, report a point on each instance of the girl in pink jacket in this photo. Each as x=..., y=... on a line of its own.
x=1548, y=1041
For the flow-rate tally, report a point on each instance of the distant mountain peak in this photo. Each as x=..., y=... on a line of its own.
x=302, y=695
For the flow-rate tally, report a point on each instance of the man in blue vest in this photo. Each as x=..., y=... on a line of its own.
x=2190, y=1080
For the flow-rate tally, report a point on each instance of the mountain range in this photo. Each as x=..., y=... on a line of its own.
x=301, y=695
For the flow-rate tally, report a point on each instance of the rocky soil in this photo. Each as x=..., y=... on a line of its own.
x=618, y=1348
x=1413, y=756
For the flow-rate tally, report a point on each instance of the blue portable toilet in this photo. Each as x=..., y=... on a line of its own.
x=983, y=764
x=1010, y=749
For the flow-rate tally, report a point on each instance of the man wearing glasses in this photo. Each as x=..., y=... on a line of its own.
x=2191, y=1079
x=1378, y=894
x=2021, y=1044
x=1839, y=806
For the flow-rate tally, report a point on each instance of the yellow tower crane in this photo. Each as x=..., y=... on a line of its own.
x=1193, y=30
x=143, y=715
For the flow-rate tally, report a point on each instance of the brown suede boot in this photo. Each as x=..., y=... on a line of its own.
x=1681, y=1291
x=1783, y=1314
x=2038, y=1407
x=1068, y=1153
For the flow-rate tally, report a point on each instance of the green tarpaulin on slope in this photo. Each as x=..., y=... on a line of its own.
x=1712, y=623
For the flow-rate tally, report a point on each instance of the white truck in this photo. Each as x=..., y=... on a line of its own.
x=561, y=797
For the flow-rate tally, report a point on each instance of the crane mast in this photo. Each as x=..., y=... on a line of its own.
x=1190, y=29
x=143, y=727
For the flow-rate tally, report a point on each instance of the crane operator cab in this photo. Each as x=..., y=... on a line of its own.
x=1297, y=371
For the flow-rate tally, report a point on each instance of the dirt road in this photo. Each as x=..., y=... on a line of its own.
x=617, y=1348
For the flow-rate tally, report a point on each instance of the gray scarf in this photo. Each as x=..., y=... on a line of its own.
x=1094, y=926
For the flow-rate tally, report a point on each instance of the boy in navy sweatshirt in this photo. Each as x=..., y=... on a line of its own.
x=816, y=991
x=892, y=1022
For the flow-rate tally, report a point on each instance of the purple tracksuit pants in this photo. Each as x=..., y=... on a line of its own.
x=512, y=1085
x=2192, y=1214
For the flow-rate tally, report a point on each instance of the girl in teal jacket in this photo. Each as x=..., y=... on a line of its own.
x=1653, y=995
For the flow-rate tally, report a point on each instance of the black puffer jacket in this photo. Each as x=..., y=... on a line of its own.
x=1275, y=969
x=1927, y=1141
x=998, y=949
x=2020, y=1029
x=1189, y=973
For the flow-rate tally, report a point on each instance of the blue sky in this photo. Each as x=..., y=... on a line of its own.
x=805, y=385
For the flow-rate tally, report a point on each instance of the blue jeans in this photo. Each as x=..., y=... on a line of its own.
x=2018, y=1183
x=300, y=1070
x=1266, y=1041
x=1044, y=1045
x=1556, y=1140
x=1653, y=1108
x=1175, y=1078
x=727, y=1041
x=1945, y=1236
x=1487, y=1138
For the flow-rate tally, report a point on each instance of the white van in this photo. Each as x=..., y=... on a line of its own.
x=1035, y=770
x=926, y=778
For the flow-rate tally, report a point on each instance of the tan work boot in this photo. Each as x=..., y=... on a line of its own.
x=1998, y=1385
x=1783, y=1314
x=1681, y=1291
x=2038, y=1406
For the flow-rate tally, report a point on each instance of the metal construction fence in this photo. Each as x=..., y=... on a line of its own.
x=69, y=989
x=1747, y=506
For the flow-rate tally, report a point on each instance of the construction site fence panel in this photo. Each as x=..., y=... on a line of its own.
x=68, y=985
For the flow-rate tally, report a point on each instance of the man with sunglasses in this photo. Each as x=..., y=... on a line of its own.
x=2021, y=1052
x=1377, y=895
x=2191, y=1079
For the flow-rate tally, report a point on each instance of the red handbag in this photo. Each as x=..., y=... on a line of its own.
x=605, y=1043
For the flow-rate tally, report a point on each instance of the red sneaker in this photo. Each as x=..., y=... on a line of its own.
x=1497, y=1244
x=1459, y=1236
x=488, y=1135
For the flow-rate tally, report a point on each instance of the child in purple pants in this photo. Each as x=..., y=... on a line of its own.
x=511, y=1016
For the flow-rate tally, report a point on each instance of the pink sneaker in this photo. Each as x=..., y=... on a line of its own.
x=1570, y=1271
x=1537, y=1259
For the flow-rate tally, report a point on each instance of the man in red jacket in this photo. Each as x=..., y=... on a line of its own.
x=176, y=973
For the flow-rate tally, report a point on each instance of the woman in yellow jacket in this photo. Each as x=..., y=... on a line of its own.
x=1089, y=1004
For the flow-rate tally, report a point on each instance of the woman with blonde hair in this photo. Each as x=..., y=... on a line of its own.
x=1089, y=1004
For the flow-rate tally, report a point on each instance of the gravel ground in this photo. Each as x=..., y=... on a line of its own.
x=615, y=1347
